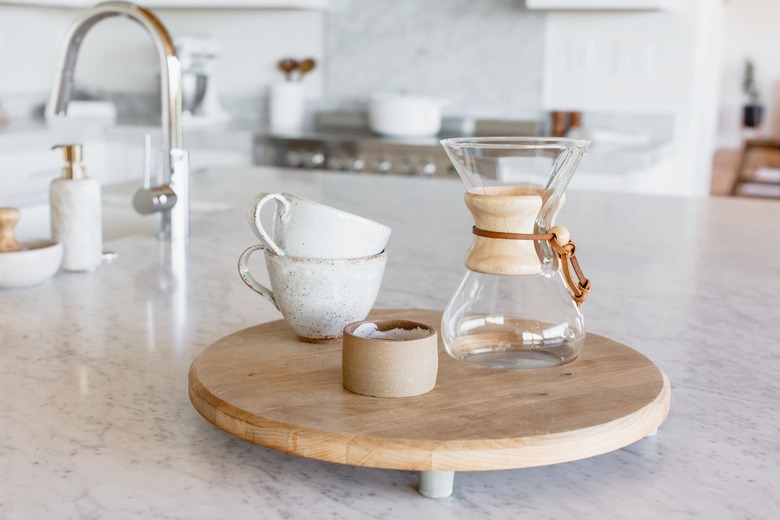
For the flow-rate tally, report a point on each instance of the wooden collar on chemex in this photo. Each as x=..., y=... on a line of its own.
x=559, y=240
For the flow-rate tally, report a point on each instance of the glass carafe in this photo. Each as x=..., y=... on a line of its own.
x=518, y=304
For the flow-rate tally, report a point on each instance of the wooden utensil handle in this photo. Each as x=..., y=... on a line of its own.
x=8, y=219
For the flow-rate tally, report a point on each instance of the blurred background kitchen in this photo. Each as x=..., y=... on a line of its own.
x=659, y=86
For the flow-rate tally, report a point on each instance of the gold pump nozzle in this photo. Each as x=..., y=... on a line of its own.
x=73, y=169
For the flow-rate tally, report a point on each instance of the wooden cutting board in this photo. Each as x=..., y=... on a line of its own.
x=263, y=385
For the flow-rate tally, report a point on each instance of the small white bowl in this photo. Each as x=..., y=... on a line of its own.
x=33, y=266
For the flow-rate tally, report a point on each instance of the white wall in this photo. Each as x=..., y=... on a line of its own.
x=118, y=56
x=751, y=29
x=30, y=39
x=643, y=62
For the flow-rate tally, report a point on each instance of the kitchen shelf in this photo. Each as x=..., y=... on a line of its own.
x=603, y=5
x=188, y=4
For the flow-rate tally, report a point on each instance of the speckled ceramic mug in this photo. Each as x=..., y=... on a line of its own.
x=318, y=297
x=308, y=229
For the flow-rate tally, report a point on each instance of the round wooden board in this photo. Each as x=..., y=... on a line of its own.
x=263, y=385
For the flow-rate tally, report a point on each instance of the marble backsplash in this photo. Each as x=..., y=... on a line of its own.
x=486, y=58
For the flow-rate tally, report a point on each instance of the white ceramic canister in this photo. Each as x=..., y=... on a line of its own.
x=287, y=107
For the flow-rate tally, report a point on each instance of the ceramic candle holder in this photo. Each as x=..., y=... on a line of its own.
x=389, y=358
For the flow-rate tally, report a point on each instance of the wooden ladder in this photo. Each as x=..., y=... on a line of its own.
x=755, y=154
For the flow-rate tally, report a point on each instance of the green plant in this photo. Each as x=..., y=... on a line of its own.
x=749, y=83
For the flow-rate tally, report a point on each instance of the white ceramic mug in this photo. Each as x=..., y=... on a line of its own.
x=308, y=229
x=318, y=297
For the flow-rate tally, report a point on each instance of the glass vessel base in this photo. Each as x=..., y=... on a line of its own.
x=492, y=352
x=513, y=359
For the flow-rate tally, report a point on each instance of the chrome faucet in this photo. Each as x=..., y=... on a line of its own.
x=171, y=198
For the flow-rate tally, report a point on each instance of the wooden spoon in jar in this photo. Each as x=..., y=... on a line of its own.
x=305, y=66
x=288, y=65
x=8, y=219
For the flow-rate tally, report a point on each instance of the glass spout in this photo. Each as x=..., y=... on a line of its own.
x=489, y=165
x=540, y=162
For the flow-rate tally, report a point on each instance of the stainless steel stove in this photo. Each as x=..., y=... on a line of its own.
x=343, y=142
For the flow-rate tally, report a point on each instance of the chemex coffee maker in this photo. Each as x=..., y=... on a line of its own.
x=200, y=99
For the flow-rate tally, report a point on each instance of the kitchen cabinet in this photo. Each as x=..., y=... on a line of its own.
x=602, y=5
x=189, y=4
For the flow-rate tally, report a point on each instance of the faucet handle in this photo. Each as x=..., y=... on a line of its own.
x=153, y=200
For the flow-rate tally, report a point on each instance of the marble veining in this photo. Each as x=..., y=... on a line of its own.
x=96, y=422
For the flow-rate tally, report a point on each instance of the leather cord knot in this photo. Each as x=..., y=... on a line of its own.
x=558, y=237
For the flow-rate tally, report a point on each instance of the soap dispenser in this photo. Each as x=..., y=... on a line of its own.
x=76, y=220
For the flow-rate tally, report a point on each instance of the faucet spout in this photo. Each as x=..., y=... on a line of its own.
x=173, y=224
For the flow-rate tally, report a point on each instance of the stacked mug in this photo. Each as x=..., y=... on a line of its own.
x=325, y=265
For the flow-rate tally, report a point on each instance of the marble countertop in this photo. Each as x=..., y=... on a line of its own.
x=96, y=422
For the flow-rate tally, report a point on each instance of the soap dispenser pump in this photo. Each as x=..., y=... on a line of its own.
x=76, y=220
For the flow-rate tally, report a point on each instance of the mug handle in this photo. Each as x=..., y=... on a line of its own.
x=246, y=275
x=254, y=218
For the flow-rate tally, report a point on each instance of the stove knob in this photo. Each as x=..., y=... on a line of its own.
x=315, y=160
x=407, y=168
x=294, y=159
x=334, y=162
x=356, y=164
x=383, y=165
x=426, y=169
